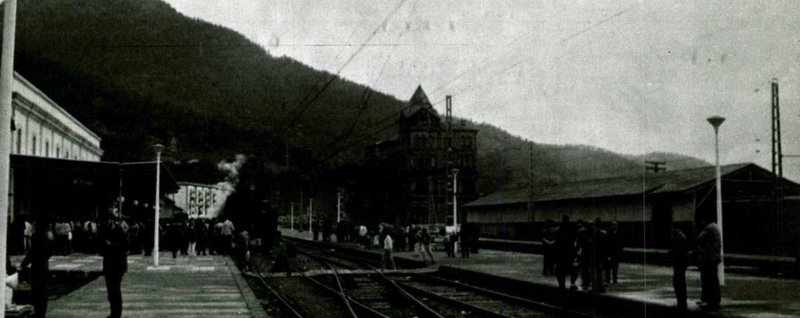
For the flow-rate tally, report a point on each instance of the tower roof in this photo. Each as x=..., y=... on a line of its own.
x=418, y=101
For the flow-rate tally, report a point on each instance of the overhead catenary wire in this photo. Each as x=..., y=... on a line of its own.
x=484, y=63
x=294, y=118
x=367, y=94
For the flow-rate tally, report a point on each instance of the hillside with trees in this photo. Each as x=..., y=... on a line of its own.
x=139, y=72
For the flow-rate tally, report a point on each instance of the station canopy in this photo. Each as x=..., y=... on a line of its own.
x=52, y=188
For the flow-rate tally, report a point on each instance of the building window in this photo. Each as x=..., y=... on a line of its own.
x=58, y=152
x=47, y=149
x=33, y=146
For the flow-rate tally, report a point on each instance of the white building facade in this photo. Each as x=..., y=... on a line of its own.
x=42, y=128
x=200, y=200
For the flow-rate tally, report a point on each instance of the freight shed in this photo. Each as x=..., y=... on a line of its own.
x=646, y=205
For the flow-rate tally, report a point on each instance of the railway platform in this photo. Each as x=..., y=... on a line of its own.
x=201, y=286
x=645, y=287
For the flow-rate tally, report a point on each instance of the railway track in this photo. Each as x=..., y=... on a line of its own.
x=365, y=291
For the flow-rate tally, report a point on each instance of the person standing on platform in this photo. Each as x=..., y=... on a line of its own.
x=679, y=255
x=425, y=245
x=315, y=227
x=565, y=251
x=708, y=247
x=388, y=246
x=38, y=258
x=191, y=238
x=135, y=245
x=362, y=236
x=90, y=230
x=600, y=262
x=242, y=250
x=114, y=249
x=201, y=231
x=614, y=252
x=465, y=240
x=226, y=234
x=548, y=246
x=28, y=235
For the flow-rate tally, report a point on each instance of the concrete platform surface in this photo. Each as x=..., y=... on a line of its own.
x=202, y=286
x=742, y=296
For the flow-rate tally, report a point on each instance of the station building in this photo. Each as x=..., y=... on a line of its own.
x=44, y=129
x=409, y=177
x=56, y=168
x=757, y=219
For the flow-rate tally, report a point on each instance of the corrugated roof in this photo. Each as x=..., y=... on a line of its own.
x=633, y=184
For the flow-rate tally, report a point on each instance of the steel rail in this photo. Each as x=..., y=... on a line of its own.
x=427, y=311
x=345, y=298
x=280, y=298
x=362, y=307
x=507, y=297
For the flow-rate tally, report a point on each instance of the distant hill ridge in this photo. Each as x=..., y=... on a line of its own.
x=137, y=72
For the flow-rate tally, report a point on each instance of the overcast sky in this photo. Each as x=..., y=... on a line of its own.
x=629, y=76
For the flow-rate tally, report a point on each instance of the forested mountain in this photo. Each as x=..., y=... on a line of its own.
x=138, y=72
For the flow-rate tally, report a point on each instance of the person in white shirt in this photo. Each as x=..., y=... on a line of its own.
x=388, y=246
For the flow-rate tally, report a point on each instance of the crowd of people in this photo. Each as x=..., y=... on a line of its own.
x=591, y=252
x=392, y=238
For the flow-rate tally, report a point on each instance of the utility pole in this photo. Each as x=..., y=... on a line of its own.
x=338, y=206
x=6, y=93
x=777, y=153
x=530, y=182
x=311, y=217
x=291, y=215
x=450, y=152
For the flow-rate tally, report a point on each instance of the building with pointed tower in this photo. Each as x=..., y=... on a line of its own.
x=411, y=174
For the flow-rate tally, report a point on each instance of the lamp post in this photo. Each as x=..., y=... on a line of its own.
x=158, y=148
x=716, y=121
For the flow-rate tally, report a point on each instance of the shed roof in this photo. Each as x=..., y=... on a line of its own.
x=625, y=185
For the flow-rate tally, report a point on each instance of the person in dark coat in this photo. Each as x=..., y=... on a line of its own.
x=708, y=247
x=614, y=252
x=242, y=250
x=586, y=253
x=600, y=261
x=679, y=255
x=465, y=239
x=114, y=249
x=565, y=251
x=38, y=258
x=177, y=236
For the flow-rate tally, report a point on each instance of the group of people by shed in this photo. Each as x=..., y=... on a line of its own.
x=591, y=252
x=705, y=249
x=587, y=250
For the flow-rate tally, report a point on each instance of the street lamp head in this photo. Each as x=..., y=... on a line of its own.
x=159, y=148
x=715, y=121
x=455, y=170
